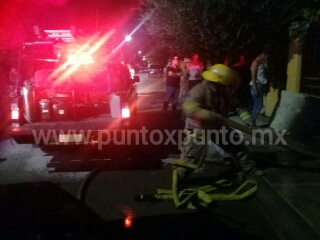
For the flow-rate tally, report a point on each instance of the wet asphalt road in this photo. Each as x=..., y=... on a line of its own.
x=38, y=191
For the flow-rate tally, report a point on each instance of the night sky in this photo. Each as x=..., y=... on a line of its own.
x=17, y=17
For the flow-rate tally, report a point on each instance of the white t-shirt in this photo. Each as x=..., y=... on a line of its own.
x=194, y=70
x=261, y=75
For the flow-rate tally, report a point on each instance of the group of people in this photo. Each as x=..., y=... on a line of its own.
x=174, y=73
x=194, y=69
x=211, y=96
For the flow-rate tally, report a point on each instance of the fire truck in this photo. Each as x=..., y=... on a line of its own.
x=70, y=92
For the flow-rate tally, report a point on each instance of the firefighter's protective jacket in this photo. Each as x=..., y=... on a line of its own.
x=207, y=102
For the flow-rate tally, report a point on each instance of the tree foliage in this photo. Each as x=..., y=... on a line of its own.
x=223, y=28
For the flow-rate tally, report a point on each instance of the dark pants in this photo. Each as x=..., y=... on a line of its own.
x=257, y=101
x=172, y=94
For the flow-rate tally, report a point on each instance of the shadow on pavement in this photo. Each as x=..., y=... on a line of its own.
x=296, y=168
x=85, y=165
x=183, y=226
x=288, y=161
x=142, y=154
x=43, y=210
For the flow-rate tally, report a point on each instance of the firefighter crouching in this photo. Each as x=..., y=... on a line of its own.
x=204, y=108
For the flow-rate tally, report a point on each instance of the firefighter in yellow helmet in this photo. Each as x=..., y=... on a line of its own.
x=204, y=108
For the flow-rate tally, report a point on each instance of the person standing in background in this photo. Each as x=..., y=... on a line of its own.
x=174, y=73
x=258, y=81
x=194, y=68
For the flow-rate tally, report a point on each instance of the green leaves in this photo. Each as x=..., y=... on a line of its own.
x=219, y=28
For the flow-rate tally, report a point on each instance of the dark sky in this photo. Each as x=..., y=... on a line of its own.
x=17, y=17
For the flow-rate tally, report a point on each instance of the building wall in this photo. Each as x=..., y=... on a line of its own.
x=293, y=77
x=294, y=67
x=270, y=101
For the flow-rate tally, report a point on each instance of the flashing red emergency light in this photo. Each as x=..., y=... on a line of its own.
x=64, y=35
x=82, y=58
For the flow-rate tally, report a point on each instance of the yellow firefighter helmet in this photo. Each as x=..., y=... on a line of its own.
x=219, y=73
